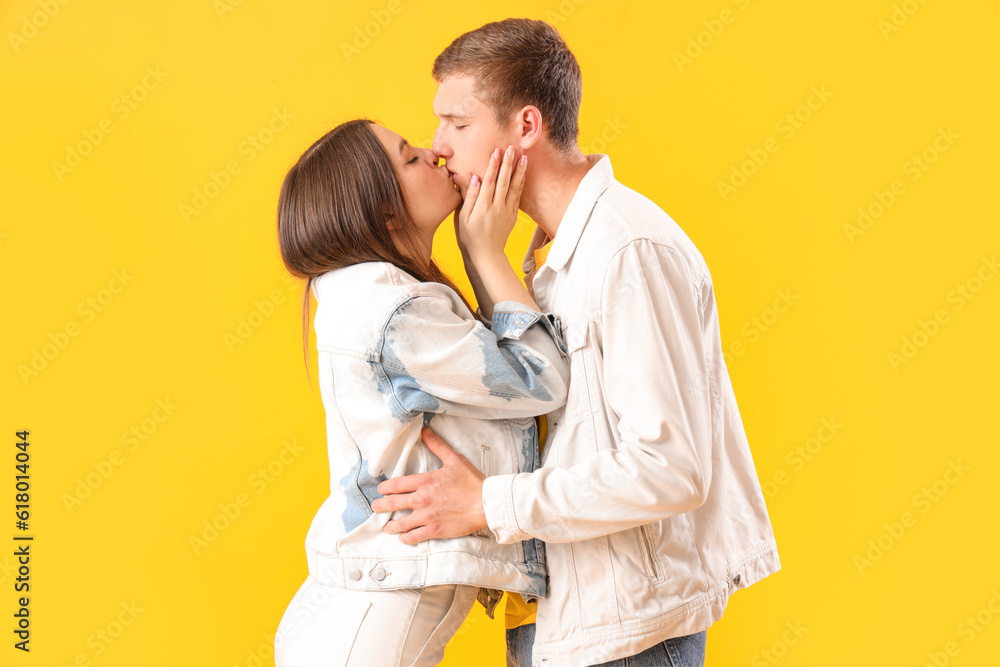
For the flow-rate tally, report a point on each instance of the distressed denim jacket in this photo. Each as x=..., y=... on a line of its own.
x=396, y=354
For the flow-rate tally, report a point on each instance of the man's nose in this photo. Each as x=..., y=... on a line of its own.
x=440, y=149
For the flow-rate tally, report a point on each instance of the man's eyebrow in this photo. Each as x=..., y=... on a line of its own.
x=452, y=116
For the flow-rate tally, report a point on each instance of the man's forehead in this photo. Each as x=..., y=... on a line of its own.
x=454, y=98
x=451, y=112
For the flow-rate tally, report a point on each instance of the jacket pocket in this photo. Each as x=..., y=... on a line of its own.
x=648, y=553
x=486, y=460
x=579, y=400
x=575, y=333
x=486, y=467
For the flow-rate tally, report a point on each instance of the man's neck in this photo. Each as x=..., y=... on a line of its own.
x=546, y=198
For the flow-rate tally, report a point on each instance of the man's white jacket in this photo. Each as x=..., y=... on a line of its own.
x=647, y=497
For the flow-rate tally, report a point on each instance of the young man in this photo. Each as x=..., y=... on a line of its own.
x=647, y=497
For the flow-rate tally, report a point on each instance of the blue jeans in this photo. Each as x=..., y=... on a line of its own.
x=676, y=652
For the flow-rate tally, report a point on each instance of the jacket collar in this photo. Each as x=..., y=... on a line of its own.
x=593, y=185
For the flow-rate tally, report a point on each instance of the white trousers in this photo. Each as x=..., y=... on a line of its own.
x=327, y=626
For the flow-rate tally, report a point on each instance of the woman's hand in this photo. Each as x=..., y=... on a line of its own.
x=490, y=208
x=458, y=232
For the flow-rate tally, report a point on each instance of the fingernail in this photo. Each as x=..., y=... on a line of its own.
x=496, y=153
x=510, y=151
x=474, y=181
x=524, y=160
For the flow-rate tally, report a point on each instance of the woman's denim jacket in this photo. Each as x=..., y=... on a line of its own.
x=396, y=354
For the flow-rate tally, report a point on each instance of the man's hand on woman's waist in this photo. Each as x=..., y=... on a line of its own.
x=447, y=502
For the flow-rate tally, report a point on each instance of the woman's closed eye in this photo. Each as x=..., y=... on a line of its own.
x=413, y=160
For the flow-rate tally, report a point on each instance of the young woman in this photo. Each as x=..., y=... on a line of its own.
x=399, y=349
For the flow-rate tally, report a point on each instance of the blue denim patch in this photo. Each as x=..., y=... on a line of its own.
x=360, y=490
x=512, y=318
x=514, y=367
x=513, y=323
x=534, y=549
x=404, y=391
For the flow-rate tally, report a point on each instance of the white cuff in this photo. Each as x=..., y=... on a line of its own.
x=498, y=506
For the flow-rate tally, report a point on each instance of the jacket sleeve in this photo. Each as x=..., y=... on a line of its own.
x=431, y=359
x=658, y=383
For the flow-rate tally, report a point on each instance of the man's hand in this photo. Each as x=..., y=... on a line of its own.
x=447, y=502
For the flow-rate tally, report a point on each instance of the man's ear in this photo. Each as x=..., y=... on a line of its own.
x=529, y=127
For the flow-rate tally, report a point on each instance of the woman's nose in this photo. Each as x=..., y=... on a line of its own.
x=430, y=156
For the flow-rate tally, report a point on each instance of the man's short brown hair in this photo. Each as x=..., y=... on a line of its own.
x=516, y=62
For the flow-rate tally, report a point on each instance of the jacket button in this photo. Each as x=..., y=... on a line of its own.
x=354, y=574
x=737, y=579
x=378, y=574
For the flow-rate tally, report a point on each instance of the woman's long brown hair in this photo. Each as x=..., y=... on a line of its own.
x=334, y=208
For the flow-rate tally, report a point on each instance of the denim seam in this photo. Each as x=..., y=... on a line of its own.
x=417, y=559
x=343, y=352
x=423, y=376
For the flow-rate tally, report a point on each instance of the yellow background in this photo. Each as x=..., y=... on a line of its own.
x=674, y=129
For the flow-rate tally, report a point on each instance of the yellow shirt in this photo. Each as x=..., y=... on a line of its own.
x=541, y=253
x=518, y=612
